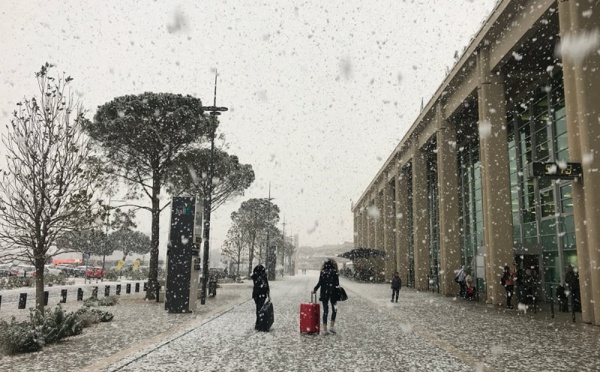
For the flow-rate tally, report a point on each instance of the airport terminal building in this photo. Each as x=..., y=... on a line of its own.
x=502, y=166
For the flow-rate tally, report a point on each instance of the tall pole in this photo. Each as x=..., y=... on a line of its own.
x=214, y=112
x=268, y=251
x=283, y=249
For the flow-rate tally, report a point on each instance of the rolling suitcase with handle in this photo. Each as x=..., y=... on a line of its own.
x=310, y=314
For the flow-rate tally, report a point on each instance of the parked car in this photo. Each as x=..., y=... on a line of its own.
x=51, y=269
x=94, y=272
x=79, y=272
x=68, y=270
x=5, y=270
x=23, y=270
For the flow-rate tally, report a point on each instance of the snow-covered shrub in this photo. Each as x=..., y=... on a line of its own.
x=111, y=274
x=41, y=329
x=103, y=301
x=19, y=337
x=16, y=282
x=52, y=279
x=90, y=316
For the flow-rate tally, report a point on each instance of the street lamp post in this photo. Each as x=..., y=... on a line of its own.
x=214, y=112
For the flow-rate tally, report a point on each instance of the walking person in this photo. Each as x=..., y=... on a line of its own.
x=396, y=285
x=509, y=284
x=260, y=291
x=328, y=282
x=460, y=279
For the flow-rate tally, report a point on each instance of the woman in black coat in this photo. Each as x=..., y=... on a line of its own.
x=260, y=292
x=329, y=281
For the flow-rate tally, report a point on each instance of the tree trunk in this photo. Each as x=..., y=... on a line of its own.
x=153, y=271
x=39, y=282
x=239, y=257
x=251, y=256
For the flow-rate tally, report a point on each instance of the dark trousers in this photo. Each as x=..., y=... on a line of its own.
x=463, y=288
x=259, y=301
x=395, y=292
x=509, y=294
x=326, y=310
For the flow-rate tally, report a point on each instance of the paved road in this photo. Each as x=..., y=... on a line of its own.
x=423, y=332
x=367, y=339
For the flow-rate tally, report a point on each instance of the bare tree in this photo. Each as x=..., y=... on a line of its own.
x=234, y=245
x=47, y=188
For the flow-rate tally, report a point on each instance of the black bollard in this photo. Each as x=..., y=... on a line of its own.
x=46, y=294
x=128, y=288
x=157, y=292
x=137, y=287
x=95, y=292
x=0, y=301
x=63, y=295
x=79, y=294
x=106, y=290
x=22, y=300
x=552, y=301
x=118, y=290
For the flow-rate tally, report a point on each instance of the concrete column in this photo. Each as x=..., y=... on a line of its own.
x=388, y=229
x=403, y=233
x=420, y=219
x=449, y=205
x=582, y=96
x=372, y=223
x=495, y=178
x=357, y=227
x=365, y=227
x=379, y=220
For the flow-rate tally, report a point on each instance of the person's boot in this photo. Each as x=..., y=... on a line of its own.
x=331, y=329
x=324, y=328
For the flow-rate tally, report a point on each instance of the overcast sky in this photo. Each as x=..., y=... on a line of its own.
x=319, y=93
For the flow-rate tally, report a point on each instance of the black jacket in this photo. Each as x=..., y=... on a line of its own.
x=261, y=283
x=396, y=282
x=328, y=281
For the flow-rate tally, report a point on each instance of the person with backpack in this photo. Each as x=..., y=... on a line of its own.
x=396, y=285
x=329, y=281
x=260, y=291
x=508, y=282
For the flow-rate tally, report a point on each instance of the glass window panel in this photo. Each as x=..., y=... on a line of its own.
x=530, y=229
x=549, y=243
x=568, y=224
x=548, y=227
x=547, y=201
x=541, y=106
x=530, y=240
x=566, y=199
x=561, y=121
x=544, y=182
x=562, y=142
x=563, y=155
x=551, y=269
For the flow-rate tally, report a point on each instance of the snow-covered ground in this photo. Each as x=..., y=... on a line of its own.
x=423, y=332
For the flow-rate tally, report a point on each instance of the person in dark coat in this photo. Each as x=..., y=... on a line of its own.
x=572, y=281
x=396, y=285
x=260, y=292
x=329, y=281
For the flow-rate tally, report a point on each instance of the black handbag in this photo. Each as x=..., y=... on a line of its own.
x=341, y=294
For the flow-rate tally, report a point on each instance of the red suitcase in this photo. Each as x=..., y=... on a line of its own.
x=310, y=314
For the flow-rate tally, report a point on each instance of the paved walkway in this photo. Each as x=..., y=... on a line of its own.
x=423, y=332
